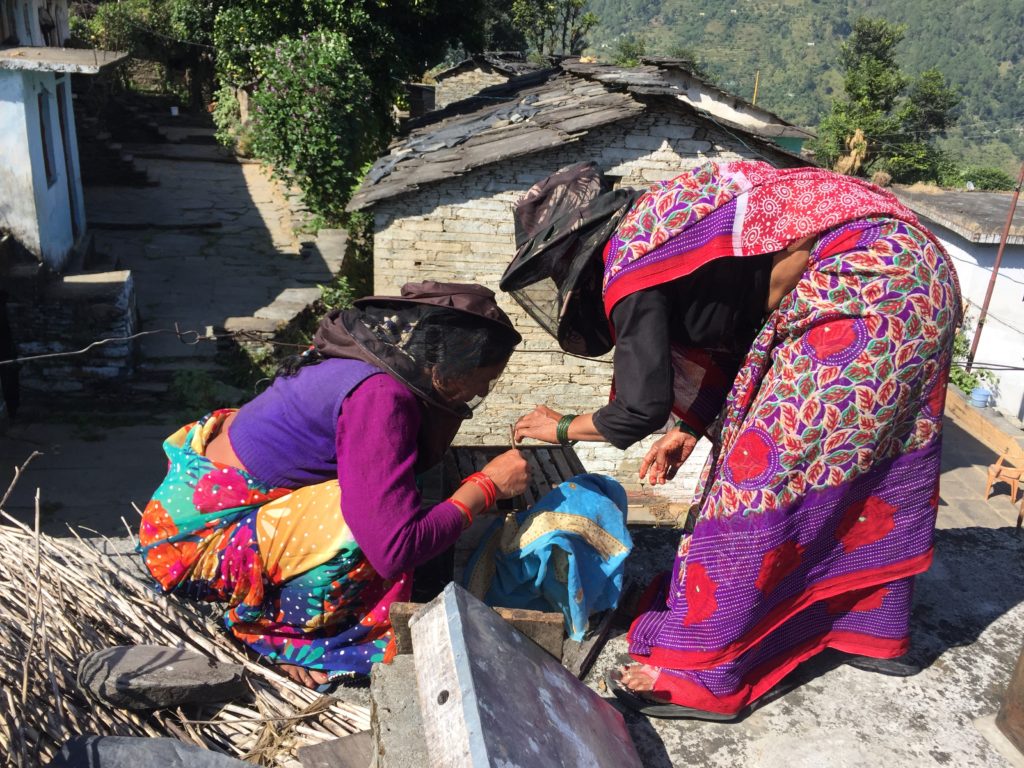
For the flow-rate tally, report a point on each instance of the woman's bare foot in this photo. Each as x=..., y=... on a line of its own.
x=640, y=678
x=310, y=678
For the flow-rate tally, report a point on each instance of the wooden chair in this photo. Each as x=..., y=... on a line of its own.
x=1001, y=471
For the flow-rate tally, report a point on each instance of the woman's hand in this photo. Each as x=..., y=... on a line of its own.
x=666, y=456
x=509, y=472
x=540, y=424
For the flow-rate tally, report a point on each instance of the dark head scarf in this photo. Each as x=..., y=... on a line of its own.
x=562, y=224
x=450, y=328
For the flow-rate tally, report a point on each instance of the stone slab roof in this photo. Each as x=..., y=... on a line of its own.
x=979, y=217
x=549, y=108
x=511, y=63
x=86, y=61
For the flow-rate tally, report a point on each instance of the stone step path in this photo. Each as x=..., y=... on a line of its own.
x=210, y=248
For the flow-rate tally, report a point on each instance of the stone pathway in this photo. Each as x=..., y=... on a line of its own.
x=222, y=248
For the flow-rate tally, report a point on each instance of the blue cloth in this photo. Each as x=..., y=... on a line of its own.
x=565, y=553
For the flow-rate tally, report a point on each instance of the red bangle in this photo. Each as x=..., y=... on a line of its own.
x=464, y=508
x=486, y=485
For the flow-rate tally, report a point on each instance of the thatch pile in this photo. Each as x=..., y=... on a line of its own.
x=61, y=599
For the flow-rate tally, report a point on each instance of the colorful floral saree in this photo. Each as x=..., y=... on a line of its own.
x=817, y=505
x=297, y=586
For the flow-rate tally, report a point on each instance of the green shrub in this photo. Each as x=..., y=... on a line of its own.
x=985, y=178
x=958, y=374
x=337, y=294
x=313, y=117
x=226, y=115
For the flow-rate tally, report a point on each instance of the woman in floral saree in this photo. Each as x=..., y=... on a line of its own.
x=803, y=322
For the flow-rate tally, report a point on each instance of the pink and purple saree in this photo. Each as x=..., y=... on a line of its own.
x=817, y=505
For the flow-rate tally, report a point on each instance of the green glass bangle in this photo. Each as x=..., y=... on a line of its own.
x=562, y=430
x=687, y=429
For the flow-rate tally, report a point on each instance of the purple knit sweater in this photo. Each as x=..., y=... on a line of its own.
x=372, y=448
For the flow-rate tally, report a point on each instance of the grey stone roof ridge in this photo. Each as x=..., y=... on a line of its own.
x=532, y=113
x=512, y=63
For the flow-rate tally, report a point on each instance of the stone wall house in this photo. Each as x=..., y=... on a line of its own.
x=970, y=226
x=443, y=207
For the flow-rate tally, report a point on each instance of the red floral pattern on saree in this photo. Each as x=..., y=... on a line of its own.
x=700, y=594
x=777, y=564
x=753, y=459
x=936, y=402
x=837, y=342
x=857, y=602
x=865, y=522
x=221, y=488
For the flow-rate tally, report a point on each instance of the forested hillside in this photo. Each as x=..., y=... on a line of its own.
x=977, y=44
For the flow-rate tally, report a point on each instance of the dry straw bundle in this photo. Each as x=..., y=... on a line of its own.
x=62, y=598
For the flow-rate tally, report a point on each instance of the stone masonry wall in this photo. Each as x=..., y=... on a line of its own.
x=67, y=314
x=464, y=85
x=462, y=230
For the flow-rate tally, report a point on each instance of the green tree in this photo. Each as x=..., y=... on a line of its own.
x=314, y=119
x=930, y=105
x=175, y=33
x=872, y=76
x=887, y=121
x=554, y=26
x=690, y=59
x=500, y=32
x=325, y=76
x=629, y=50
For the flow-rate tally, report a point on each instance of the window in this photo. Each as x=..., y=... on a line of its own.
x=28, y=25
x=46, y=135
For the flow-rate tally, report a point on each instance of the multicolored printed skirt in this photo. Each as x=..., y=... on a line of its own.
x=818, y=504
x=297, y=586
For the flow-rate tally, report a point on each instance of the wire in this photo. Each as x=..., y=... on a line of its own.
x=189, y=338
x=168, y=38
x=735, y=136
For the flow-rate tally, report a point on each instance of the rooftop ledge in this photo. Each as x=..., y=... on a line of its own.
x=85, y=61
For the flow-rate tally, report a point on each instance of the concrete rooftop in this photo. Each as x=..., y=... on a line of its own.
x=977, y=216
x=85, y=61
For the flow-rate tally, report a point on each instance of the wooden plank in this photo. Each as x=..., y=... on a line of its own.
x=545, y=628
x=579, y=657
x=549, y=466
x=552, y=477
x=565, y=471
x=488, y=697
x=537, y=478
x=986, y=427
x=601, y=117
x=439, y=690
x=574, y=461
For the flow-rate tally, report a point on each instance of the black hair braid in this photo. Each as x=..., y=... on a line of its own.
x=290, y=365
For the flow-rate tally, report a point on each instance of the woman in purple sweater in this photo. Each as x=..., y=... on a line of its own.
x=300, y=510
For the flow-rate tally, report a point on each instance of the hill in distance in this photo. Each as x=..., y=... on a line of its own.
x=792, y=46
